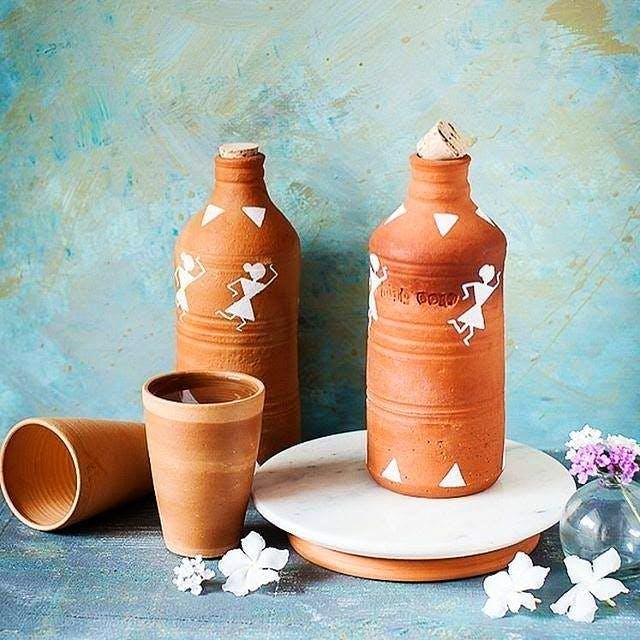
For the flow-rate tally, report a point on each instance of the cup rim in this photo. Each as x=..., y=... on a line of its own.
x=148, y=395
x=44, y=423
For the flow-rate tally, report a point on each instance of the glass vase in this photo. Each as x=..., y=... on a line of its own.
x=603, y=514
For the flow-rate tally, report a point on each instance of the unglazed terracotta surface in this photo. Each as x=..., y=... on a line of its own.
x=435, y=350
x=203, y=458
x=410, y=570
x=58, y=471
x=237, y=277
x=320, y=491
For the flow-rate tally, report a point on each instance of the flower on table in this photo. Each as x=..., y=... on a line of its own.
x=590, y=582
x=190, y=574
x=252, y=566
x=508, y=590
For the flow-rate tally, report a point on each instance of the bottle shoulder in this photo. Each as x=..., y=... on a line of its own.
x=234, y=230
x=422, y=236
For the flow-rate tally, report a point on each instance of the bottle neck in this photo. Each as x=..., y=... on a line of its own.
x=439, y=182
x=239, y=175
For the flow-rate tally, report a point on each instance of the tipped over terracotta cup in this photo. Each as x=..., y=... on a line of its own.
x=203, y=432
x=57, y=471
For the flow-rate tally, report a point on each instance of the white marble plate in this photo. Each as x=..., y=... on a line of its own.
x=321, y=491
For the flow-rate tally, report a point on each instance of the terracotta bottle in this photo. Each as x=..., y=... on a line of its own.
x=237, y=274
x=435, y=352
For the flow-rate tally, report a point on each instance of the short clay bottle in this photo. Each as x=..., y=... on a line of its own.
x=237, y=278
x=435, y=352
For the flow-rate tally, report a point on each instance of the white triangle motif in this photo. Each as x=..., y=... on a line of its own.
x=256, y=214
x=396, y=214
x=484, y=216
x=453, y=478
x=392, y=472
x=444, y=222
x=211, y=213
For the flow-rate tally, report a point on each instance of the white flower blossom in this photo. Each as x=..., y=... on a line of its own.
x=583, y=437
x=579, y=603
x=507, y=590
x=630, y=443
x=190, y=574
x=249, y=568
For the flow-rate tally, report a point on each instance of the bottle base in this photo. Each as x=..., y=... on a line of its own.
x=430, y=492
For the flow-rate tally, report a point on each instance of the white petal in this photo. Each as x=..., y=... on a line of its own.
x=583, y=609
x=196, y=589
x=562, y=604
x=579, y=570
x=499, y=585
x=606, y=563
x=607, y=588
x=183, y=585
x=256, y=577
x=207, y=574
x=194, y=581
x=252, y=545
x=237, y=583
x=232, y=561
x=520, y=564
x=527, y=601
x=533, y=578
x=271, y=558
x=495, y=608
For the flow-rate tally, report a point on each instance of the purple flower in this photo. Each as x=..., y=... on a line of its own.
x=622, y=463
x=588, y=461
x=615, y=457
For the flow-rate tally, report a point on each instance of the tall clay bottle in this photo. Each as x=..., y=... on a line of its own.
x=237, y=278
x=435, y=353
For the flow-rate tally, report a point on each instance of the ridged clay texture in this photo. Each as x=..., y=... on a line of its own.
x=203, y=458
x=237, y=277
x=58, y=471
x=435, y=350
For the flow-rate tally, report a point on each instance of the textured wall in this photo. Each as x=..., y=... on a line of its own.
x=111, y=112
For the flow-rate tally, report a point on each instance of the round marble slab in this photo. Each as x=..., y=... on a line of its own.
x=320, y=491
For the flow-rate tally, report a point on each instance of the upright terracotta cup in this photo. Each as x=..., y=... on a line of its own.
x=237, y=278
x=435, y=354
x=203, y=453
x=57, y=471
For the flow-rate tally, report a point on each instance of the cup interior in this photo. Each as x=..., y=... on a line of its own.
x=39, y=476
x=203, y=387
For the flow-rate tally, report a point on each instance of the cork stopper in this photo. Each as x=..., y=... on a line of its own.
x=238, y=149
x=442, y=142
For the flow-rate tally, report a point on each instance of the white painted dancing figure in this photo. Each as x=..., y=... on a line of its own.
x=473, y=318
x=242, y=309
x=377, y=275
x=184, y=276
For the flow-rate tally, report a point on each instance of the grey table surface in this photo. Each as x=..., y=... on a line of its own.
x=110, y=577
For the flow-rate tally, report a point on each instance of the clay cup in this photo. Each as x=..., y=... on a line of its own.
x=57, y=471
x=203, y=432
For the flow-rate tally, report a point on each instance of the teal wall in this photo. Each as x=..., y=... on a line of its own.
x=111, y=112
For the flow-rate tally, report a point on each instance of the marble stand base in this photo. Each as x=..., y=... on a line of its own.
x=337, y=516
x=410, y=570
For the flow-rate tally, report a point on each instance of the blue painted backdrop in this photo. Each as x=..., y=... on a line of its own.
x=111, y=112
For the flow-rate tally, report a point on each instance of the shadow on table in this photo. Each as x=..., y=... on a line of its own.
x=141, y=515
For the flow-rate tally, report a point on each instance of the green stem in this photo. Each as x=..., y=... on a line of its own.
x=627, y=497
